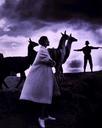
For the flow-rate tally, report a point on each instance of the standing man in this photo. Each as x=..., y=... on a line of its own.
x=87, y=54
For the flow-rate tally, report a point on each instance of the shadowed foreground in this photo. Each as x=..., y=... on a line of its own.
x=80, y=105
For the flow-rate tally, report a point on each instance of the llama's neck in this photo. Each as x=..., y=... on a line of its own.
x=68, y=49
x=62, y=43
x=68, y=46
x=31, y=54
x=62, y=49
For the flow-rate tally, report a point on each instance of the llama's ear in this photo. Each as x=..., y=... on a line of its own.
x=62, y=34
x=29, y=40
x=65, y=32
x=70, y=34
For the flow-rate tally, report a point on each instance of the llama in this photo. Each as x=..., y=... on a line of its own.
x=17, y=64
x=61, y=54
x=58, y=56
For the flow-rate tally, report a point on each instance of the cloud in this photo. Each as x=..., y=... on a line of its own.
x=34, y=14
x=59, y=10
x=11, y=46
x=75, y=64
x=24, y=28
x=51, y=10
x=2, y=2
x=8, y=9
x=28, y=9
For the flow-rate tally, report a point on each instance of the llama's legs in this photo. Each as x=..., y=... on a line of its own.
x=59, y=74
x=22, y=77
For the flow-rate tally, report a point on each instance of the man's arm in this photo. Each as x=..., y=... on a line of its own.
x=95, y=47
x=78, y=49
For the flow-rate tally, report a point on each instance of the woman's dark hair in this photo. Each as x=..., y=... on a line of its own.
x=42, y=40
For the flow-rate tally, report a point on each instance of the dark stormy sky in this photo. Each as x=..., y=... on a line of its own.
x=21, y=19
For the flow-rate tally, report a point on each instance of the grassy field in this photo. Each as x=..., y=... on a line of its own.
x=79, y=106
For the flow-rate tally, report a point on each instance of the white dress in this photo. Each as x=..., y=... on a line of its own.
x=38, y=86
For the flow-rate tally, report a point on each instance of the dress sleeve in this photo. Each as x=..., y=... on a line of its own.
x=45, y=58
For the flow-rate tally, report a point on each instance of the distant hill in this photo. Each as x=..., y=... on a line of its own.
x=79, y=106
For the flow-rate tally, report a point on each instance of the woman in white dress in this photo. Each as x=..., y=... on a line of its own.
x=38, y=86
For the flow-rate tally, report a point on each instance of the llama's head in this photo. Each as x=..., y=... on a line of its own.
x=32, y=43
x=64, y=35
x=72, y=39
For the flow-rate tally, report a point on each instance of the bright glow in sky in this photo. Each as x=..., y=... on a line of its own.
x=2, y=23
x=1, y=2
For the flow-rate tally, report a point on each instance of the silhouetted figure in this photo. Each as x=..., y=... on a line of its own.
x=87, y=55
x=17, y=64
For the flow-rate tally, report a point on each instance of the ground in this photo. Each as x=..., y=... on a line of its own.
x=79, y=106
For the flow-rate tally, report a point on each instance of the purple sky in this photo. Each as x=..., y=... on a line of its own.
x=21, y=19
